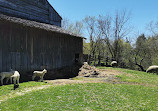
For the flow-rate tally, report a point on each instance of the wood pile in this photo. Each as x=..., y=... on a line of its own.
x=88, y=71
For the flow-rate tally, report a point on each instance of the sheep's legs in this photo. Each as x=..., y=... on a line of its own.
x=2, y=80
x=33, y=77
x=41, y=78
x=11, y=80
x=7, y=80
x=18, y=80
x=15, y=79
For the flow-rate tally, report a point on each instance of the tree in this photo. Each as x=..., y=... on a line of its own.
x=114, y=30
x=90, y=24
x=142, y=53
x=75, y=28
x=104, y=25
x=153, y=46
x=153, y=27
x=126, y=56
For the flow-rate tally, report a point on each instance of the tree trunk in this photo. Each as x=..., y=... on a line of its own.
x=99, y=60
x=141, y=67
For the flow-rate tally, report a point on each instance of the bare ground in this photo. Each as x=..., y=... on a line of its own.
x=105, y=76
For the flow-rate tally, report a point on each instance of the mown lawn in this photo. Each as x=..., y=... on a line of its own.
x=89, y=96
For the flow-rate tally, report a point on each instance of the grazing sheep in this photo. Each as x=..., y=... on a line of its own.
x=152, y=69
x=6, y=75
x=16, y=78
x=39, y=74
x=114, y=63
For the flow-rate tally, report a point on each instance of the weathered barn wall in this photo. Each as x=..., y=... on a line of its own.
x=37, y=10
x=26, y=48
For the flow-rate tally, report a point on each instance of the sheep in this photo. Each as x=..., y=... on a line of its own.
x=6, y=75
x=152, y=69
x=114, y=63
x=16, y=78
x=39, y=74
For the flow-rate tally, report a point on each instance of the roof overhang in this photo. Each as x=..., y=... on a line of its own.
x=38, y=25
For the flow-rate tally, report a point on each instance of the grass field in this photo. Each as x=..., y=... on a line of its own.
x=140, y=93
x=132, y=76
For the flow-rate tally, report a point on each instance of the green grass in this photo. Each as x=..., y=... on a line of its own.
x=86, y=97
x=133, y=76
x=139, y=77
x=6, y=90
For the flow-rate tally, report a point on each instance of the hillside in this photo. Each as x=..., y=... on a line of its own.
x=120, y=89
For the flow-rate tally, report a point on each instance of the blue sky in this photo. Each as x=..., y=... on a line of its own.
x=142, y=11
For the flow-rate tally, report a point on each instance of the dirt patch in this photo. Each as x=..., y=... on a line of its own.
x=110, y=72
x=90, y=74
x=91, y=71
x=82, y=80
x=68, y=81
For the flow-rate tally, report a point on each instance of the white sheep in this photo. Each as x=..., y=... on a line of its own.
x=114, y=63
x=16, y=78
x=39, y=74
x=152, y=69
x=6, y=75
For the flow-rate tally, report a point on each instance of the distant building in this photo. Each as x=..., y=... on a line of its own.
x=31, y=37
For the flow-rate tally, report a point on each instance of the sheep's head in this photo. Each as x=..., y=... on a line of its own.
x=45, y=71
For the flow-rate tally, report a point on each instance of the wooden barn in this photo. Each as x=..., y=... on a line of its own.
x=31, y=37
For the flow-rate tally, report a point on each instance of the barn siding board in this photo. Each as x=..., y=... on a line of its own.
x=32, y=10
x=25, y=10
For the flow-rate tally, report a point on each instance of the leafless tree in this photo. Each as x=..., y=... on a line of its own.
x=153, y=27
x=91, y=26
x=113, y=30
x=104, y=24
x=76, y=28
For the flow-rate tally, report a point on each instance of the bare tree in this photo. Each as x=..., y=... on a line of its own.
x=153, y=27
x=90, y=24
x=104, y=24
x=76, y=28
x=121, y=30
x=114, y=30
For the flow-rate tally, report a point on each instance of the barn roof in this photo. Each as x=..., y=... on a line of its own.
x=38, y=25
